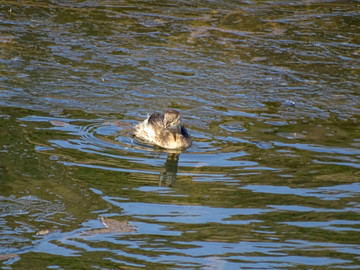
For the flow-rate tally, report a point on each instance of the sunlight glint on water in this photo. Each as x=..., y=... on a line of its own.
x=268, y=92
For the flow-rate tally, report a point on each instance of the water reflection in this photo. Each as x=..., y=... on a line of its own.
x=268, y=90
x=134, y=207
x=168, y=175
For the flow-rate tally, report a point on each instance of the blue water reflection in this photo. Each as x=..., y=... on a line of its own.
x=268, y=92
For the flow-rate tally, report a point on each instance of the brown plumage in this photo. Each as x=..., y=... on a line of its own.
x=164, y=130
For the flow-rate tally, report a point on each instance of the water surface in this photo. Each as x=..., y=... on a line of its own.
x=269, y=91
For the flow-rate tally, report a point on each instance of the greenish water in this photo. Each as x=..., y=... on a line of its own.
x=269, y=91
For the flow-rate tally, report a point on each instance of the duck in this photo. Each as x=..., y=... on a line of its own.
x=163, y=130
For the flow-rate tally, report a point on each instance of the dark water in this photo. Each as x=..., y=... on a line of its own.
x=269, y=91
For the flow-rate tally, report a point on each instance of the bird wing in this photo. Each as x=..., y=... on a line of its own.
x=156, y=119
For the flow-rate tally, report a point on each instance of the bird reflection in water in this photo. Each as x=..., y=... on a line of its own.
x=168, y=175
x=167, y=132
x=164, y=132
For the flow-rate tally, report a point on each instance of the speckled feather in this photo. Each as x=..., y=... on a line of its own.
x=163, y=130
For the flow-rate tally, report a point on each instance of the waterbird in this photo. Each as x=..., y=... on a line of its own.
x=163, y=130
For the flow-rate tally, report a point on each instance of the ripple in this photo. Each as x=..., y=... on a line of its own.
x=324, y=193
x=320, y=148
x=333, y=225
x=268, y=91
x=185, y=213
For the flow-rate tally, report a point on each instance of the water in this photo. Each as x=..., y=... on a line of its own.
x=269, y=91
